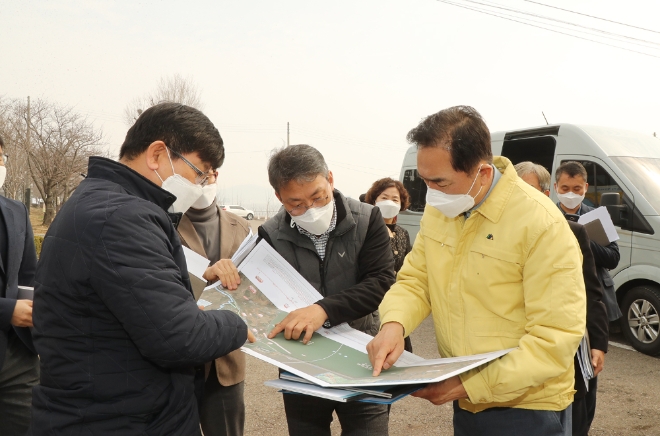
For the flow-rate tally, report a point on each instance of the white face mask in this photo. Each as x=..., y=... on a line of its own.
x=317, y=219
x=208, y=195
x=184, y=190
x=452, y=205
x=570, y=200
x=388, y=208
x=3, y=175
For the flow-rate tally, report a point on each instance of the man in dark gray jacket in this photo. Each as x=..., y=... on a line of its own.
x=342, y=247
x=571, y=186
x=115, y=322
x=19, y=365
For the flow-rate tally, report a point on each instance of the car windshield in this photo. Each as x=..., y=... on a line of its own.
x=644, y=173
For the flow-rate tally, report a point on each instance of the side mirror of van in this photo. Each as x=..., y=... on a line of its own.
x=617, y=211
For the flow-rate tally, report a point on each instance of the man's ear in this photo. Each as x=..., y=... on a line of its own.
x=488, y=168
x=277, y=194
x=156, y=152
x=331, y=180
x=547, y=192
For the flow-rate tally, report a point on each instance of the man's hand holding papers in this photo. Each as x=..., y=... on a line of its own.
x=443, y=391
x=308, y=319
x=597, y=360
x=225, y=271
x=386, y=348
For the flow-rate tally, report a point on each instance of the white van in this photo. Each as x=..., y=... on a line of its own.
x=620, y=162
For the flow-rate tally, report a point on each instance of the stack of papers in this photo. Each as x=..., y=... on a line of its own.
x=584, y=359
x=245, y=248
x=334, y=358
x=599, y=226
x=291, y=383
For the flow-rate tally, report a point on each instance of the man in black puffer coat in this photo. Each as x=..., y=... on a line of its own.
x=115, y=323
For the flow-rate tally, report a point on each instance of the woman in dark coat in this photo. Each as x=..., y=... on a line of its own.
x=391, y=197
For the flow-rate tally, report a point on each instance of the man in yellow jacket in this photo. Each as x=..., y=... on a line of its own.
x=497, y=266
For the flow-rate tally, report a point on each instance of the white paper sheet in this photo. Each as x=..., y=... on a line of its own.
x=197, y=264
x=603, y=215
x=281, y=283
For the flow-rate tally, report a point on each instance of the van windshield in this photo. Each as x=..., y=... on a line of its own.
x=644, y=173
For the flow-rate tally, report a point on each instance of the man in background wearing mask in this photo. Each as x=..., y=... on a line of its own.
x=571, y=186
x=19, y=365
x=216, y=235
x=116, y=325
x=584, y=404
x=342, y=248
x=496, y=265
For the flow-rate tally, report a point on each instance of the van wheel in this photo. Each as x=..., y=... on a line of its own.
x=641, y=319
x=249, y=216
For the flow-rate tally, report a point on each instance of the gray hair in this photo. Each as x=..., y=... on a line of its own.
x=302, y=163
x=525, y=168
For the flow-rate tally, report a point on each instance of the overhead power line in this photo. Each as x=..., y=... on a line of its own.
x=520, y=20
x=592, y=16
x=544, y=17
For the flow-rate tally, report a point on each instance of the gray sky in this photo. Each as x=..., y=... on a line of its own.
x=352, y=77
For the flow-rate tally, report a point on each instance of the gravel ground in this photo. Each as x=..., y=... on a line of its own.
x=628, y=396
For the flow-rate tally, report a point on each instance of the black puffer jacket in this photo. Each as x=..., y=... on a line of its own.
x=116, y=325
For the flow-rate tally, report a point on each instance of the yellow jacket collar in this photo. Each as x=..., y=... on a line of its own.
x=494, y=205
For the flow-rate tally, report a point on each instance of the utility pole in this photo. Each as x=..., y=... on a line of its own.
x=287, y=133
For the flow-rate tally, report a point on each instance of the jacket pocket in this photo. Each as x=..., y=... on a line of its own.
x=608, y=281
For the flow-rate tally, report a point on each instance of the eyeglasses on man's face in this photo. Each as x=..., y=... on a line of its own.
x=202, y=178
x=302, y=208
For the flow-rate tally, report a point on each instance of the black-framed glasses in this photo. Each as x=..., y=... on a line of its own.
x=202, y=178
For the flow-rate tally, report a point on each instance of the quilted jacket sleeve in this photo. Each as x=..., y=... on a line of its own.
x=135, y=275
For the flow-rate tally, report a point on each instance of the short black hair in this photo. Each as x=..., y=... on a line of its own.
x=572, y=169
x=182, y=128
x=300, y=162
x=461, y=131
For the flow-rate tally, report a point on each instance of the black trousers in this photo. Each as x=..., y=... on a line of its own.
x=18, y=375
x=505, y=421
x=584, y=410
x=311, y=416
x=222, y=412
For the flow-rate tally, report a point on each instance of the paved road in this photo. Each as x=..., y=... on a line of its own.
x=628, y=396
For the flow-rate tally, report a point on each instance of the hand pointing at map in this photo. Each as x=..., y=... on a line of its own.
x=309, y=319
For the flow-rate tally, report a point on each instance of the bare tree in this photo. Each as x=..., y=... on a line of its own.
x=18, y=175
x=61, y=142
x=176, y=89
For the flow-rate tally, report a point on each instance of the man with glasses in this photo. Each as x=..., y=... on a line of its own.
x=342, y=247
x=19, y=365
x=121, y=340
x=216, y=235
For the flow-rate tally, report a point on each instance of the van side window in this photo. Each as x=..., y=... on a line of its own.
x=417, y=190
x=600, y=182
x=540, y=150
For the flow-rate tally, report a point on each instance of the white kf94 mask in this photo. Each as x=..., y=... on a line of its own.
x=388, y=208
x=452, y=205
x=317, y=219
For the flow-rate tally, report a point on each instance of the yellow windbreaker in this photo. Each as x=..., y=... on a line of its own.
x=508, y=276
